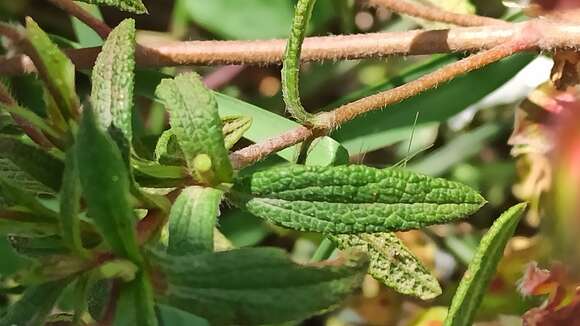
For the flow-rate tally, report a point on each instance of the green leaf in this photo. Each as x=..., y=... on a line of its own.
x=234, y=128
x=482, y=268
x=169, y=316
x=70, y=197
x=136, y=305
x=35, y=247
x=353, y=199
x=42, y=166
x=55, y=69
x=192, y=221
x=392, y=263
x=15, y=221
x=21, y=179
x=258, y=285
x=134, y=6
x=35, y=305
x=291, y=62
x=106, y=187
x=86, y=36
x=167, y=150
x=24, y=201
x=266, y=124
x=113, y=79
x=381, y=128
x=194, y=120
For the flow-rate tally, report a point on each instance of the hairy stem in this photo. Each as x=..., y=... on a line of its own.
x=325, y=122
x=340, y=47
x=432, y=13
x=291, y=62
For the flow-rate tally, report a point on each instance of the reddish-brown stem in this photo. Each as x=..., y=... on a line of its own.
x=340, y=47
x=329, y=120
x=111, y=307
x=75, y=10
x=432, y=13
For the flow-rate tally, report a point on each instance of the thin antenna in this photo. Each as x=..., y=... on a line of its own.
x=411, y=140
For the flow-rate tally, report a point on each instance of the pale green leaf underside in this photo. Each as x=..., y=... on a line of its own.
x=195, y=121
x=482, y=268
x=135, y=6
x=234, y=129
x=392, y=263
x=257, y=286
x=192, y=220
x=353, y=199
x=113, y=79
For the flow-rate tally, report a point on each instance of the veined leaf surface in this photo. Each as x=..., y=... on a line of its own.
x=135, y=6
x=258, y=285
x=353, y=199
x=195, y=121
x=392, y=263
x=113, y=79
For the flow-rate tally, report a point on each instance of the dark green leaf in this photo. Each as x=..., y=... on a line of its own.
x=482, y=268
x=135, y=6
x=169, y=316
x=70, y=197
x=392, y=263
x=17, y=221
x=353, y=199
x=258, y=285
x=35, y=247
x=21, y=179
x=192, y=221
x=113, y=79
x=105, y=184
x=136, y=305
x=35, y=305
x=37, y=163
x=378, y=129
x=55, y=68
x=194, y=120
x=24, y=201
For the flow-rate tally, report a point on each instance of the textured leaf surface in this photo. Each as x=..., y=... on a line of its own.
x=24, y=201
x=105, y=184
x=35, y=305
x=113, y=79
x=43, y=167
x=192, y=221
x=392, y=263
x=135, y=6
x=55, y=68
x=482, y=268
x=195, y=121
x=234, y=128
x=20, y=178
x=353, y=199
x=258, y=285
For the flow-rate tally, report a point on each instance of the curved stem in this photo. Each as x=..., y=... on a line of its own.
x=432, y=13
x=291, y=62
x=75, y=10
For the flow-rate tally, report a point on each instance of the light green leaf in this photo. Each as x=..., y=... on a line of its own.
x=113, y=79
x=392, y=263
x=106, y=187
x=482, y=268
x=135, y=6
x=194, y=120
x=35, y=305
x=234, y=128
x=42, y=166
x=86, y=36
x=55, y=69
x=258, y=285
x=353, y=199
x=70, y=197
x=192, y=220
x=136, y=305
